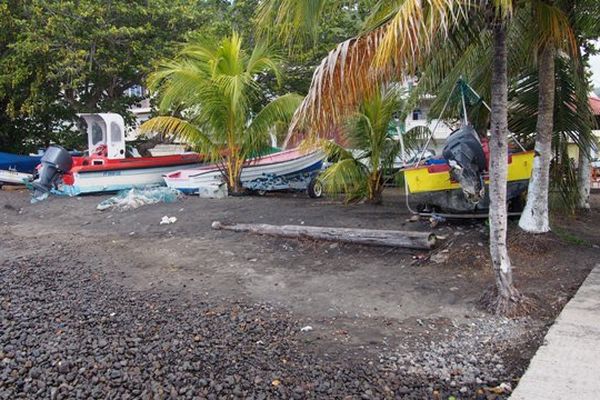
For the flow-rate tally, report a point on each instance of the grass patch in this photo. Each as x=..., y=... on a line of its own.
x=568, y=237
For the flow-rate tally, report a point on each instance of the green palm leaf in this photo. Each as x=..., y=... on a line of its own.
x=208, y=89
x=179, y=128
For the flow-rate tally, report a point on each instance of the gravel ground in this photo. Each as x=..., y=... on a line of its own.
x=68, y=333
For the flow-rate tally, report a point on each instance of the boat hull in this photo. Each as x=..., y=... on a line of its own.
x=16, y=168
x=430, y=178
x=14, y=177
x=97, y=175
x=288, y=167
x=115, y=180
x=432, y=189
x=453, y=201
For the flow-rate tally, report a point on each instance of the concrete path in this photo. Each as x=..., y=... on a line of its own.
x=567, y=365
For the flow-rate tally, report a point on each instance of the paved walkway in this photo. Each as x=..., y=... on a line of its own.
x=567, y=365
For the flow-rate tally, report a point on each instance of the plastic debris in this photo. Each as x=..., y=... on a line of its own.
x=168, y=220
x=134, y=198
x=502, y=388
x=212, y=191
x=307, y=328
x=39, y=197
x=435, y=220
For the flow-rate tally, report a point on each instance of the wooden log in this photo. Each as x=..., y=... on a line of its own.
x=390, y=238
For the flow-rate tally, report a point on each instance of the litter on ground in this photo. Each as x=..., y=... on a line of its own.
x=213, y=191
x=168, y=220
x=134, y=198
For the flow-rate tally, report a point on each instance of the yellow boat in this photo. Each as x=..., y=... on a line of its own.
x=432, y=188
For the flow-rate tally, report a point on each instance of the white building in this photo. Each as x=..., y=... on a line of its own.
x=142, y=112
x=419, y=117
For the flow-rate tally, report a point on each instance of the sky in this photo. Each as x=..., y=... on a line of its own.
x=595, y=66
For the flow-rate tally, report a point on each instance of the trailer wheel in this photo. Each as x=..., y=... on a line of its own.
x=315, y=189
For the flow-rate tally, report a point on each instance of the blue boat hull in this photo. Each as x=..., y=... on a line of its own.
x=18, y=163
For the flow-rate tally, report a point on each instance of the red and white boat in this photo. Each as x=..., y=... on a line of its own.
x=107, y=167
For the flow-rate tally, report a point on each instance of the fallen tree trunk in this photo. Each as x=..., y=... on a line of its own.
x=407, y=239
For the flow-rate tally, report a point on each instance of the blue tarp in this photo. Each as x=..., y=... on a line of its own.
x=20, y=163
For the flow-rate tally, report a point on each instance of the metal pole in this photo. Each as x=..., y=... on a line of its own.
x=435, y=127
x=462, y=95
x=403, y=152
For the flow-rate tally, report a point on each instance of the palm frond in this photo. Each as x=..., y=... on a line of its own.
x=294, y=21
x=280, y=110
x=573, y=123
x=572, y=115
x=415, y=138
x=181, y=129
x=553, y=26
x=335, y=152
x=264, y=60
x=348, y=176
x=353, y=70
x=410, y=34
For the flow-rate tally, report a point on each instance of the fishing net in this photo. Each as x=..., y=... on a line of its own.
x=134, y=198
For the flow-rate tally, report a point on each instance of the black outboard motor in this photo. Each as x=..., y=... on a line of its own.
x=55, y=162
x=467, y=161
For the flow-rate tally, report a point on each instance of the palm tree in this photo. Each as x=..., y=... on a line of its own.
x=207, y=93
x=402, y=34
x=360, y=173
x=540, y=35
x=554, y=31
x=508, y=298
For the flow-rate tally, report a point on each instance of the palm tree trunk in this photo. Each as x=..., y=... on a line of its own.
x=504, y=299
x=234, y=172
x=375, y=188
x=535, y=215
x=584, y=179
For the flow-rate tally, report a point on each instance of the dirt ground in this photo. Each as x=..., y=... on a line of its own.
x=370, y=303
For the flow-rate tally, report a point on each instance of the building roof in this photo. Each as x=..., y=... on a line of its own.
x=595, y=105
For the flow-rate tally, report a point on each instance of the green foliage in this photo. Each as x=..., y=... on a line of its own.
x=572, y=124
x=58, y=58
x=569, y=237
x=360, y=173
x=208, y=90
x=302, y=56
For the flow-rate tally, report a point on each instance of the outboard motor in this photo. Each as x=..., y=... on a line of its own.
x=467, y=161
x=55, y=161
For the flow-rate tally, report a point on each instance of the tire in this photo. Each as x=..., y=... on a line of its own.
x=315, y=189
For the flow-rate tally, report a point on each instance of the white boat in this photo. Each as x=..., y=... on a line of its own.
x=14, y=177
x=108, y=167
x=290, y=169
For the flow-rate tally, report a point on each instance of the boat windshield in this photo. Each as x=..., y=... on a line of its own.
x=97, y=135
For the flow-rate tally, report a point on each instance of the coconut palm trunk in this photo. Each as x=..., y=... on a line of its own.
x=234, y=173
x=584, y=180
x=535, y=215
x=375, y=187
x=506, y=296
